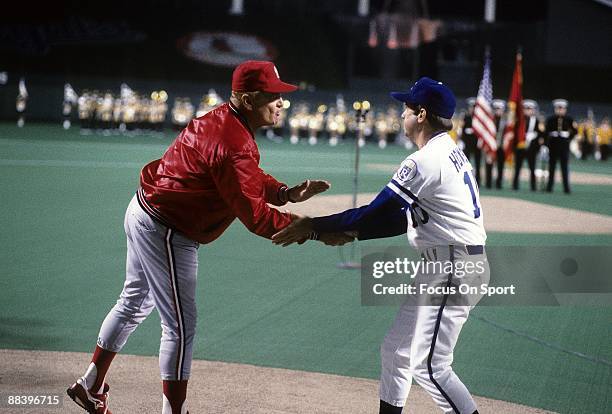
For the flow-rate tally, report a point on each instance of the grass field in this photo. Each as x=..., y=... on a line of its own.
x=64, y=197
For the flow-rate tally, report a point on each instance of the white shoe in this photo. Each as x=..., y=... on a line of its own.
x=92, y=403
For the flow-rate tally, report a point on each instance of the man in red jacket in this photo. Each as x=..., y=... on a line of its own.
x=209, y=176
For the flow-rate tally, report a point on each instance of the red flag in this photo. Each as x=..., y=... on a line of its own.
x=514, y=132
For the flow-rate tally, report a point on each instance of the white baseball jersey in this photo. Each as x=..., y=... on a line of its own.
x=438, y=186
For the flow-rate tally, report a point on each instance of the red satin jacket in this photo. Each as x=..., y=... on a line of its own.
x=209, y=176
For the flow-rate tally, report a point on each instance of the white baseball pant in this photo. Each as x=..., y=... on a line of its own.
x=161, y=273
x=422, y=338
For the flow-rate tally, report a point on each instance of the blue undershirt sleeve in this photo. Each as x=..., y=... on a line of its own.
x=385, y=216
x=394, y=224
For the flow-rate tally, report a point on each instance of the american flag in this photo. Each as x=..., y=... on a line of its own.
x=483, y=121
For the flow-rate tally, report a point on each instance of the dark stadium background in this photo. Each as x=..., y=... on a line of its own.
x=321, y=43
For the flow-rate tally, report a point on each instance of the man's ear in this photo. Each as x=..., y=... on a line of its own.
x=422, y=115
x=247, y=101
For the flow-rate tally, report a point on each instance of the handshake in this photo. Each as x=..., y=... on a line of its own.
x=301, y=230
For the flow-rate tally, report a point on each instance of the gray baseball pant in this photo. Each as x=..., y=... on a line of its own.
x=421, y=340
x=161, y=273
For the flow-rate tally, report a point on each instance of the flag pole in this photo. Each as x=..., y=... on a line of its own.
x=361, y=110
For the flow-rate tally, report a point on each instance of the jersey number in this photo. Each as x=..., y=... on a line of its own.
x=467, y=179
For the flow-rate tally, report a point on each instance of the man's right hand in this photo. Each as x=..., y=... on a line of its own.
x=298, y=231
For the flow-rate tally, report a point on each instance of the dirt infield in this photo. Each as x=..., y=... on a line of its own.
x=215, y=387
x=500, y=214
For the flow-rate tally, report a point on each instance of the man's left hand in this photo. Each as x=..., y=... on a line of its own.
x=307, y=189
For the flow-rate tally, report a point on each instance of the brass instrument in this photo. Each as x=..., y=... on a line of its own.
x=315, y=124
x=298, y=122
x=182, y=112
x=159, y=109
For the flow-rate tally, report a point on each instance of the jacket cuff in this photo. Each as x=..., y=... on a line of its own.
x=283, y=194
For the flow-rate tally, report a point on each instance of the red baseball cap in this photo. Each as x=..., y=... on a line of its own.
x=257, y=75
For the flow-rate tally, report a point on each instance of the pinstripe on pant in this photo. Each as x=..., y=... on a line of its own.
x=422, y=339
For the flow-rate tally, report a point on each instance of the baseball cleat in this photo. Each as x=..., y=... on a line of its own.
x=92, y=403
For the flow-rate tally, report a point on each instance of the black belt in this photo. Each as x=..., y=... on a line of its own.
x=475, y=249
x=472, y=250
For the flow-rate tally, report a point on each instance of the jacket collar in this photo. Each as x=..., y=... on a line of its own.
x=241, y=118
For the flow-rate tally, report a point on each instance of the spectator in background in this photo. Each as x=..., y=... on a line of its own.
x=603, y=139
x=21, y=103
x=470, y=142
x=586, y=137
x=560, y=130
x=534, y=138
x=499, y=107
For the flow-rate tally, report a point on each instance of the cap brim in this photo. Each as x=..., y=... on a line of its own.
x=281, y=87
x=401, y=96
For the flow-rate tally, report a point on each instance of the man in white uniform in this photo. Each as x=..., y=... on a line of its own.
x=433, y=197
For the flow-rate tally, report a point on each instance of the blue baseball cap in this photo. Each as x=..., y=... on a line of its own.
x=430, y=94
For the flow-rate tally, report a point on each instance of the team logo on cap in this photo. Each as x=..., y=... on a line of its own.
x=408, y=171
x=276, y=71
